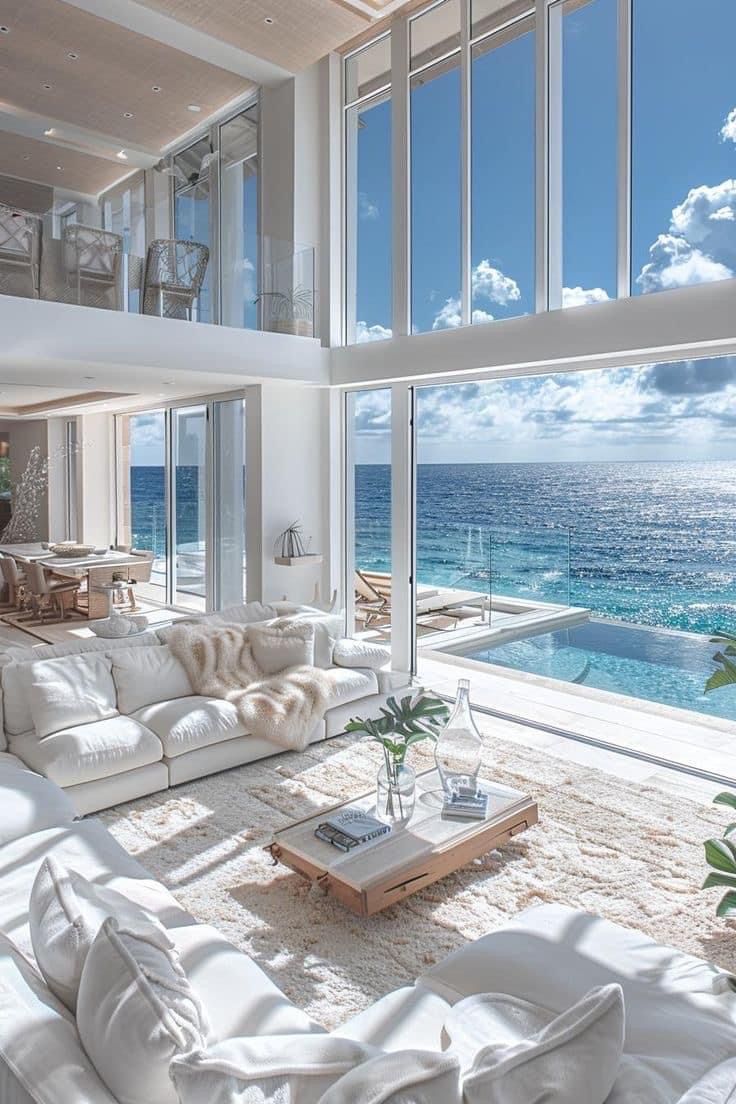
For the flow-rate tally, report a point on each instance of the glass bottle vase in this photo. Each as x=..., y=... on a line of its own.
x=395, y=792
x=457, y=751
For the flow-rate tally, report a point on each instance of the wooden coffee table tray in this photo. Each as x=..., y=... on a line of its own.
x=387, y=870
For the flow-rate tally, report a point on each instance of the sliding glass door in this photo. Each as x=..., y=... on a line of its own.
x=181, y=494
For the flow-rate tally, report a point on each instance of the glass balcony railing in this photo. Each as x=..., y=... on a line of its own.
x=41, y=257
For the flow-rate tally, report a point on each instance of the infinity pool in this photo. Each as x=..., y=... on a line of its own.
x=654, y=664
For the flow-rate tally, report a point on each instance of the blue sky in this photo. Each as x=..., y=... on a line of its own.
x=683, y=217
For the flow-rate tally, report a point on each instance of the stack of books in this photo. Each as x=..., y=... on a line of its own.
x=350, y=828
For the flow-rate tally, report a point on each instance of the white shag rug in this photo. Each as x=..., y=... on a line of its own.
x=627, y=852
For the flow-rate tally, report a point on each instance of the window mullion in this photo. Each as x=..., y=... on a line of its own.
x=623, y=231
x=400, y=160
x=542, y=158
x=466, y=295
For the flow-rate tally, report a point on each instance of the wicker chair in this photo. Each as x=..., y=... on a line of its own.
x=93, y=265
x=173, y=278
x=20, y=253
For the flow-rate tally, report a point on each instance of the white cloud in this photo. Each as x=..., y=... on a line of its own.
x=582, y=297
x=492, y=284
x=367, y=209
x=480, y=316
x=449, y=317
x=675, y=262
x=728, y=130
x=376, y=332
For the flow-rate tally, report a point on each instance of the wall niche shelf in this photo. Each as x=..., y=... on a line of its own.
x=299, y=561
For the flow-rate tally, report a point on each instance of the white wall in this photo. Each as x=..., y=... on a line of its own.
x=95, y=462
x=287, y=458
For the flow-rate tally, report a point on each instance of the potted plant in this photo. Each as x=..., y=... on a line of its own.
x=401, y=724
x=720, y=854
x=289, y=312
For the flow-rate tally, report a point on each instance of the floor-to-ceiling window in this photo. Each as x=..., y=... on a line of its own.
x=181, y=493
x=239, y=220
x=368, y=193
x=368, y=508
x=436, y=168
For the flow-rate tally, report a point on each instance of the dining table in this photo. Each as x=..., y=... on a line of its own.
x=99, y=570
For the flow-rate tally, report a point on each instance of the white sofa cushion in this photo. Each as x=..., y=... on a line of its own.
x=29, y=803
x=87, y=752
x=360, y=653
x=136, y=1012
x=328, y=628
x=144, y=677
x=15, y=672
x=717, y=1087
x=39, y=1043
x=402, y=1077
x=66, y=912
x=73, y=690
x=188, y=723
x=676, y=1029
x=282, y=643
x=348, y=684
x=513, y=1051
x=267, y=1070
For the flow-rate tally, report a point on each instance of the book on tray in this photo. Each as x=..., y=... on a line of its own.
x=350, y=828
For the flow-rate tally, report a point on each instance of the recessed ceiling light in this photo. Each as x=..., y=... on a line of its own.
x=194, y=107
x=26, y=157
x=155, y=87
x=127, y=114
x=59, y=168
x=47, y=87
x=122, y=155
x=4, y=30
x=269, y=21
x=88, y=377
x=49, y=132
x=72, y=56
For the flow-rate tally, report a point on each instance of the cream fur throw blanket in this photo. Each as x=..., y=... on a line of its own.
x=283, y=708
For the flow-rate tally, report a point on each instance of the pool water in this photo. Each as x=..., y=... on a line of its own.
x=654, y=664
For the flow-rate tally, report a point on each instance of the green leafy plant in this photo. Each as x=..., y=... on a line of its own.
x=401, y=724
x=720, y=854
x=726, y=676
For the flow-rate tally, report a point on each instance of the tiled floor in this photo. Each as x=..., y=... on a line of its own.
x=708, y=743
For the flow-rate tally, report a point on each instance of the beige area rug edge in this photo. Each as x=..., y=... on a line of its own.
x=625, y=851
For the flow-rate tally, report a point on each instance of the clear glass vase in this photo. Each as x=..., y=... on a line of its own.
x=395, y=792
x=457, y=751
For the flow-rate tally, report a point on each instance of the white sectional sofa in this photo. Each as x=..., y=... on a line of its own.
x=147, y=730
x=680, y=1012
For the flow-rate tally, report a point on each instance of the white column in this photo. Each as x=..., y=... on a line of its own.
x=401, y=155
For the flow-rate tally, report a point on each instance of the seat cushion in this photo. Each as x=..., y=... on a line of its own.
x=238, y=997
x=184, y=724
x=676, y=1028
x=87, y=752
x=347, y=684
x=407, y=1018
x=144, y=677
x=71, y=691
x=28, y=802
x=89, y=848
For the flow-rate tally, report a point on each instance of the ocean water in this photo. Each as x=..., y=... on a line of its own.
x=148, y=506
x=651, y=543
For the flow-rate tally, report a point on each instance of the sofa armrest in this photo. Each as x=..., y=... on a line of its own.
x=360, y=653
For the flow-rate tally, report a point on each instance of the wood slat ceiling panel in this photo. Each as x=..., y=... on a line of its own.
x=113, y=73
x=303, y=31
x=30, y=159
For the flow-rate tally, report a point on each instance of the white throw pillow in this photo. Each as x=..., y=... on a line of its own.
x=360, y=653
x=39, y=1043
x=71, y=691
x=136, y=1012
x=148, y=675
x=268, y=1069
x=403, y=1077
x=328, y=628
x=66, y=911
x=573, y=1056
x=279, y=644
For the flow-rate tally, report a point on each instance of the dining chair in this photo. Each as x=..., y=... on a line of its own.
x=173, y=277
x=48, y=593
x=20, y=252
x=16, y=581
x=93, y=264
